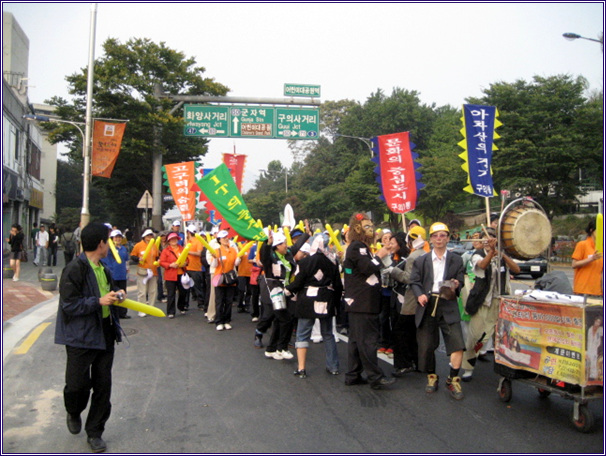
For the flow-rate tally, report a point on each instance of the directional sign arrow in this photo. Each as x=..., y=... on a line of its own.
x=235, y=125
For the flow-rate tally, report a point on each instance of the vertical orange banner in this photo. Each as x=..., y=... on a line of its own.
x=180, y=178
x=107, y=139
x=236, y=164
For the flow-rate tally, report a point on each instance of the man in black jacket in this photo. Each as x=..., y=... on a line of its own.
x=88, y=326
x=362, y=298
x=438, y=309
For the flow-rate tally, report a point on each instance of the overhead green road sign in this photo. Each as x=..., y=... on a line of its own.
x=255, y=121
x=302, y=90
x=206, y=120
x=297, y=123
x=249, y=121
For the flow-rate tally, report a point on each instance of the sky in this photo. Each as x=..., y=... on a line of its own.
x=445, y=52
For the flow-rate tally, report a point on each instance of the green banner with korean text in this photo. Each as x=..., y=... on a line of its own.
x=220, y=188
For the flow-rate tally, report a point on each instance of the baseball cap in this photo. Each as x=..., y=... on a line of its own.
x=176, y=223
x=279, y=238
x=192, y=228
x=116, y=233
x=418, y=231
x=147, y=232
x=221, y=234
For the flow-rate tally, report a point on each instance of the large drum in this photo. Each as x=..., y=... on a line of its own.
x=525, y=232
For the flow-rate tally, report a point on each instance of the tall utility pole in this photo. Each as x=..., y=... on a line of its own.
x=85, y=215
x=157, y=170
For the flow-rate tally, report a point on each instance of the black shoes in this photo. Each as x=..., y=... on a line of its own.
x=403, y=371
x=335, y=372
x=356, y=381
x=300, y=373
x=96, y=444
x=74, y=423
x=382, y=382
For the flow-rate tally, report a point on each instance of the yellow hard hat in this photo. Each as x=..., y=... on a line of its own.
x=438, y=226
x=418, y=231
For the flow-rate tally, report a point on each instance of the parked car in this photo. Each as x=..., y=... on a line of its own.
x=535, y=267
x=459, y=247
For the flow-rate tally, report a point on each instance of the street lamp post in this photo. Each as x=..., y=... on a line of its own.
x=575, y=36
x=264, y=171
x=85, y=215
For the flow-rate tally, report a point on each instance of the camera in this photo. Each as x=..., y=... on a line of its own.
x=120, y=296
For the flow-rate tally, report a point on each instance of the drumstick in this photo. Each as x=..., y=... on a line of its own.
x=484, y=229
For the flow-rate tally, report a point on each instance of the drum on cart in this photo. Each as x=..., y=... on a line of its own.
x=525, y=232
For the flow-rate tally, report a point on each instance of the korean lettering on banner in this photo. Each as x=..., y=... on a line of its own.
x=220, y=188
x=397, y=172
x=236, y=164
x=180, y=177
x=541, y=337
x=107, y=140
x=480, y=123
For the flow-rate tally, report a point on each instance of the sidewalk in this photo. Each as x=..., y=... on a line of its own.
x=17, y=297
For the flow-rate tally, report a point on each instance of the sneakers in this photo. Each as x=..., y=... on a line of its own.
x=332, y=372
x=432, y=383
x=254, y=319
x=382, y=382
x=286, y=354
x=467, y=376
x=183, y=312
x=300, y=373
x=220, y=327
x=169, y=316
x=274, y=355
x=227, y=326
x=454, y=386
x=381, y=351
x=402, y=371
x=74, y=423
x=15, y=279
x=389, y=353
x=316, y=340
x=141, y=314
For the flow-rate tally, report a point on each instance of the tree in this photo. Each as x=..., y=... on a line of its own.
x=549, y=131
x=126, y=77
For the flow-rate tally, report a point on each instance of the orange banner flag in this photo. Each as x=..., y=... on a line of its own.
x=107, y=139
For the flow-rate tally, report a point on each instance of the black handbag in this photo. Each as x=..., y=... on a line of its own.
x=230, y=278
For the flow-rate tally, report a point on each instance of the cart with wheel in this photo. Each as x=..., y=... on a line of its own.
x=554, y=346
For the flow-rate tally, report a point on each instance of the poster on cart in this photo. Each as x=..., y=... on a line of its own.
x=551, y=339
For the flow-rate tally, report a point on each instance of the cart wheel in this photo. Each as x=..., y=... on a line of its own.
x=505, y=391
x=586, y=421
x=543, y=393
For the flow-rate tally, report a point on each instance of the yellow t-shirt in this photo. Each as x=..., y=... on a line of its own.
x=587, y=279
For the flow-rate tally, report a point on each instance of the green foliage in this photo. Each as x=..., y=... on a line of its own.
x=125, y=87
x=549, y=131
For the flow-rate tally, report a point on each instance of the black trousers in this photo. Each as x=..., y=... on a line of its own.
x=224, y=296
x=405, y=348
x=281, y=331
x=171, y=291
x=197, y=292
x=90, y=369
x=362, y=347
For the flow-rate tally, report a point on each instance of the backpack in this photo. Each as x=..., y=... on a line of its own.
x=69, y=245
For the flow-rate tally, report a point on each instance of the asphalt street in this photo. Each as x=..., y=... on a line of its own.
x=182, y=387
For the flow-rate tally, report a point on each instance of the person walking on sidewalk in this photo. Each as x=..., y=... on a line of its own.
x=15, y=240
x=42, y=241
x=88, y=326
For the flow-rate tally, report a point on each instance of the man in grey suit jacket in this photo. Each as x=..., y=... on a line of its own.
x=438, y=309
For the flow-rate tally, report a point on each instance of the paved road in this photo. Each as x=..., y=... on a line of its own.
x=182, y=387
